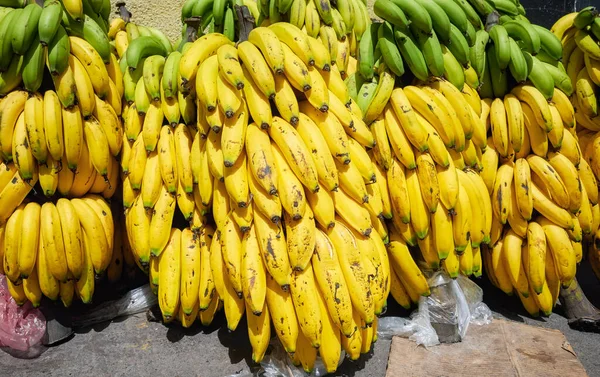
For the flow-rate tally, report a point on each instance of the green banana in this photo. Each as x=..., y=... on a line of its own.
x=417, y=15
x=33, y=71
x=324, y=9
x=585, y=17
x=11, y=78
x=439, y=19
x=539, y=75
x=517, y=64
x=498, y=77
x=25, y=28
x=169, y=79
x=482, y=7
x=229, y=25
x=587, y=44
x=458, y=45
x=96, y=5
x=595, y=28
x=219, y=11
x=152, y=73
x=499, y=37
x=485, y=87
x=560, y=77
x=158, y=34
x=274, y=15
x=338, y=24
x=506, y=6
x=143, y=47
x=389, y=50
x=201, y=7
x=6, y=51
x=432, y=52
x=521, y=10
x=453, y=71
x=471, y=14
x=546, y=58
x=366, y=59
x=187, y=8
x=346, y=10
x=354, y=83
x=144, y=31
x=471, y=35
x=4, y=11
x=526, y=33
x=455, y=13
x=133, y=32
x=58, y=52
x=549, y=42
x=284, y=6
x=365, y=95
x=91, y=32
x=412, y=55
x=49, y=21
x=87, y=9
x=477, y=52
x=392, y=13
x=13, y=3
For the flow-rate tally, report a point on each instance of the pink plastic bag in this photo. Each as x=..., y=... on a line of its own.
x=21, y=327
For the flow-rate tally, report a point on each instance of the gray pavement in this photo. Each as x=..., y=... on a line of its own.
x=136, y=347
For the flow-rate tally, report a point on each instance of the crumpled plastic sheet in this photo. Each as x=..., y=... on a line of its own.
x=277, y=363
x=22, y=328
x=136, y=301
x=470, y=309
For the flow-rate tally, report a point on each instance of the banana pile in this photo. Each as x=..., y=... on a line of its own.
x=60, y=250
x=217, y=16
x=121, y=33
x=544, y=195
x=579, y=33
x=489, y=44
x=338, y=24
x=273, y=151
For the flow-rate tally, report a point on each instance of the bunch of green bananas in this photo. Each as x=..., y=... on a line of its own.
x=337, y=23
x=217, y=15
x=478, y=42
x=579, y=33
x=34, y=37
x=122, y=33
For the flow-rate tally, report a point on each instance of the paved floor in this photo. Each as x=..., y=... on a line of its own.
x=136, y=347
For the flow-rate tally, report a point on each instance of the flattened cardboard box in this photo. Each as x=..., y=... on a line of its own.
x=501, y=349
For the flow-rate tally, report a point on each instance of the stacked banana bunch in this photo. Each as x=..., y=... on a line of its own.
x=338, y=24
x=66, y=139
x=34, y=37
x=121, y=33
x=277, y=159
x=429, y=140
x=217, y=16
x=580, y=35
x=486, y=44
x=60, y=250
x=544, y=195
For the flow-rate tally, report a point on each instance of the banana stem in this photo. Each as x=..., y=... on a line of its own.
x=123, y=12
x=582, y=314
x=193, y=24
x=245, y=20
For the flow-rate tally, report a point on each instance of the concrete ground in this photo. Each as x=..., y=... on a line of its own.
x=136, y=347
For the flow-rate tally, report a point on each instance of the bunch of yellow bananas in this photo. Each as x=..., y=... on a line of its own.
x=579, y=33
x=294, y=179
x=533, y=164
x=59, y=250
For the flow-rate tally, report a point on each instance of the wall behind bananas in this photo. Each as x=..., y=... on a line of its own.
x=166, y=14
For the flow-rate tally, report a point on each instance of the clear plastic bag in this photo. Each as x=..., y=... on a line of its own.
x=277, y=363
x=444, y=316
x=135, y=301
x=22, y=328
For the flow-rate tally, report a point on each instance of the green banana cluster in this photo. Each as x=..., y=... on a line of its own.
x=489, y=44
x=217, y=15
x=33, y=37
